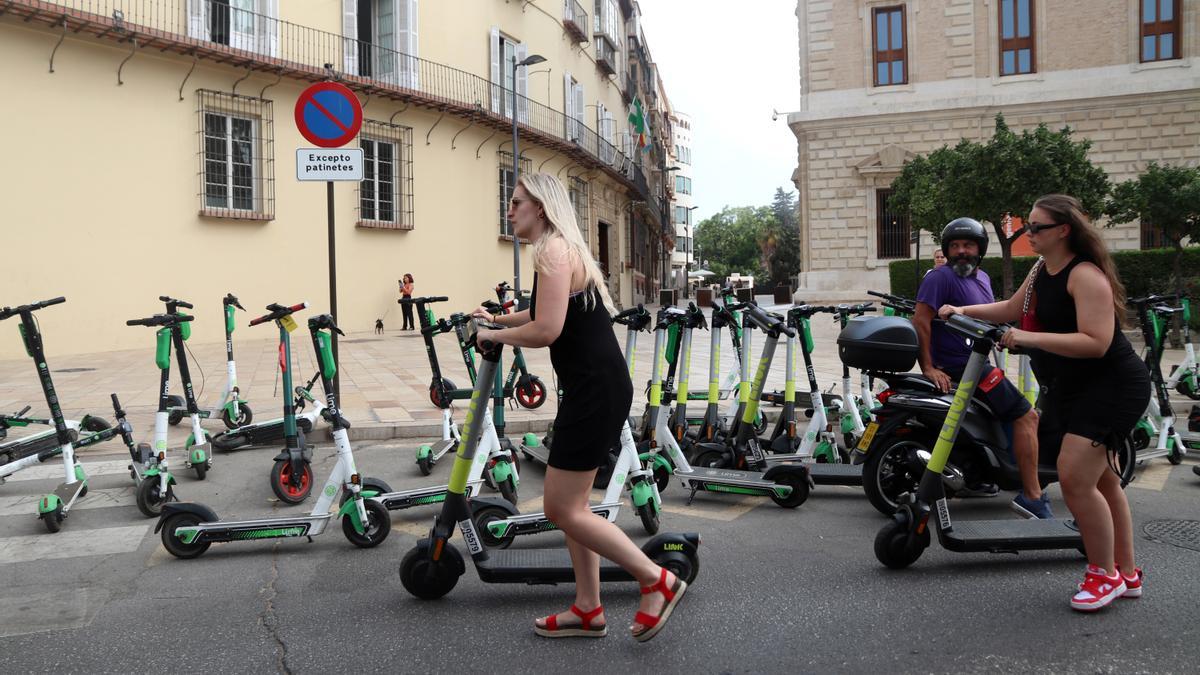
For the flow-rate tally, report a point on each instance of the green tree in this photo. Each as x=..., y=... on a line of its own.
x=1166, y=197
x=728, y=242
x=1005, y=175
x=786, y=262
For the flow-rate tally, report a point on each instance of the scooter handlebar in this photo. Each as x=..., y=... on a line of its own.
x=161, y=320
x=424, y=300
x=231, y=299
x=277, y=311
x=178, y=303
x=1154, y=299
x=31, y=307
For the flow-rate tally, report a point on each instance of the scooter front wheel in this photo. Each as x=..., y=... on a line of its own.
x=508, y=490
x=531, y=393
x=176, y=546
x=429, y=580
x=893, y=548
x=379, y=523
x=425, y=464
x=53, y=519
x=486, y=515
x=649, y=516
x=150, y=498
x=289, y=487
x=244, y=416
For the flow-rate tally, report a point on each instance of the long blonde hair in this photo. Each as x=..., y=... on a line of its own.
x=1085, y=242
x=548, y=191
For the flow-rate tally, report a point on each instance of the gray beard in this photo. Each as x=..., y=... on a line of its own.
x=963, y=268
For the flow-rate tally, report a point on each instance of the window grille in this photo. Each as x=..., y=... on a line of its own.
x=236, y=156
x=889, y=48
x=507, y=184
x=1160, y=30
x=385, y=194
x=892, y=236
x=1152, y=237
x=1017, y=51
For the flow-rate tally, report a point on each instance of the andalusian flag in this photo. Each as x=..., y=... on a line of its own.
x=637, y=119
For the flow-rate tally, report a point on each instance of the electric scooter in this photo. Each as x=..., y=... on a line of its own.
x=889, y=344
x=526, y=389
x=307, y=407
x=786, y=484
x=1185, y=376
x=34, y=444
x=432, y=568
x=629, y=473
x=853, y=413
x=1158, y=423
x=54, y=507
x=173, y=329
x=188, y=528
x=232, y=410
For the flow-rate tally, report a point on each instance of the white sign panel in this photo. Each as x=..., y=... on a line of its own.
x=325, y=164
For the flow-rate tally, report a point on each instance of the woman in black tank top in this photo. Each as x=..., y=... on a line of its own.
x=569, y=313
x=1097, y=387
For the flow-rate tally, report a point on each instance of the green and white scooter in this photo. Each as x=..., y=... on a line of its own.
x=54, y=507
x=31, y=450
x=188, y=529
x=629, y=474
x=173, y=329
x=1157, y=424
x=232, y=410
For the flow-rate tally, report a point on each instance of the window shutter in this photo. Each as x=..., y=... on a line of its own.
x=578, y=107
x=497, y=78
x=350, y=36
x=198, y=19
x=522, y=84
x=406, y=44
x=270, y=39
x=568, y=108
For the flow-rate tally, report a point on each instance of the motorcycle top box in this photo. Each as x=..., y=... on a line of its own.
x=885, y=344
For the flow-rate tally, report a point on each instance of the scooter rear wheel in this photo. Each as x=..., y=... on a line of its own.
x=425, y=464
x=429, y=580
x=54, y=519
x=174, y=545
x=281, y=485
x=229, y=441
x=176, y=416
x=799, y=493
x=244, y=416
x=490, y=514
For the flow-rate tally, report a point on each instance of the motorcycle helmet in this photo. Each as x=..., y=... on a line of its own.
x=964, y=228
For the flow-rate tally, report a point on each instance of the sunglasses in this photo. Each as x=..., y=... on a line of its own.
x=1035, y=228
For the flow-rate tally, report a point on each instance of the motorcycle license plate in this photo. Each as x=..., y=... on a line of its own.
x=868, y=435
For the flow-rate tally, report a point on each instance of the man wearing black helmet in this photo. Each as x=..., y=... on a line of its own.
x=943, y=356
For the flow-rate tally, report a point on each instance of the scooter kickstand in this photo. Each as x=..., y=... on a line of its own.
x=692, y=495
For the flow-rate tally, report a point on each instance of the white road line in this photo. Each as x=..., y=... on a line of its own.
x=728, y=513
x=1153, y=477
x=96, y=499
x=67, y=544
x=54, y=469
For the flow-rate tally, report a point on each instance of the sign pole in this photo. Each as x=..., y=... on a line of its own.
x=337, y=390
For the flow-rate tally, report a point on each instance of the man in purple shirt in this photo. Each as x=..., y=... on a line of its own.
x=943, y=355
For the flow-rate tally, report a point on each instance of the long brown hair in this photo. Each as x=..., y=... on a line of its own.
x=1085, y=241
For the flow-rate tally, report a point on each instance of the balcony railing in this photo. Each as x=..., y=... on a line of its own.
x=575, y=21
x=213, y=30
x=606, y=55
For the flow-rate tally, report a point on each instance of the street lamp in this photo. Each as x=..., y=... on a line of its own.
x=527, y=61
x=666, y=209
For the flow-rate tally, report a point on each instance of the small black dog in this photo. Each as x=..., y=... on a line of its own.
x=378, y=326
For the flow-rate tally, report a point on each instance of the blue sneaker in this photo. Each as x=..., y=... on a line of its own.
x=1032, y=508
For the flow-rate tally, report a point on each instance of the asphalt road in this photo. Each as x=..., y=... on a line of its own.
x=778, y=591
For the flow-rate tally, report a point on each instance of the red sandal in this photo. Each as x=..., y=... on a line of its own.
x=585, y=629
x=655, y=623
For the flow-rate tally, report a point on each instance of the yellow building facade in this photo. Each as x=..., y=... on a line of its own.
x=157, y=154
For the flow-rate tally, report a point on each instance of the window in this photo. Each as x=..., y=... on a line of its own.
x=890, y=53
x=506, y=53
x=385, y=195
x=683, y=185
x=605, y=127
x=1017, y=53
x=236, y=156
x=507, y=185
x=681, y=244
x=892, y=236
x=573, y=108
x=381, y=40
x=578, y=192
x=1152, y=237
x=1160, y=30
x=681, y=215
x=252, y=25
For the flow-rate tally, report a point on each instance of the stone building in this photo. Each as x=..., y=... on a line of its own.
x=884, y=80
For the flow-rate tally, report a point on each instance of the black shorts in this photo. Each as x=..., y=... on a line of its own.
x=588, y=424
x=1003, y=397
x=1100, y=409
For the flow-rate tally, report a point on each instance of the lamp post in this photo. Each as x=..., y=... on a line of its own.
x=666, y=209
x=687, y=252
x=527, y=61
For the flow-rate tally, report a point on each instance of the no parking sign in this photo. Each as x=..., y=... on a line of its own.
x=328, y=114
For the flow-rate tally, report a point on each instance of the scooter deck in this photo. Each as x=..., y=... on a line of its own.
x=1010, y=535
x=442, y=447
x=727, y=477
x=539, y=454
x=538, y=566
x=835, y=474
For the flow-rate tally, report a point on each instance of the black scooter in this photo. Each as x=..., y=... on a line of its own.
x=432, y=568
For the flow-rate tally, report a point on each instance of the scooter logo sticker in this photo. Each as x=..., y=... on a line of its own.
x=469, y=536
x=330, y=490
x=944, y=514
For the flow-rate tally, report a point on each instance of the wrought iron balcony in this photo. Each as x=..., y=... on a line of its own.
x=216, y=31
x=575, y=21
x=606, y=55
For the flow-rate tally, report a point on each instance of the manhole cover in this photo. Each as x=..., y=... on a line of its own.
x=1181, y=533
x=74, y=370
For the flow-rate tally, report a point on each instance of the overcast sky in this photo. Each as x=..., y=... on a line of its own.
x=727, y=65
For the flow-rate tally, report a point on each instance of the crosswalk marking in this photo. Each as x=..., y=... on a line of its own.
x=727, y=513
x=67, y=544
x=24, y=505
x=54, y=469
